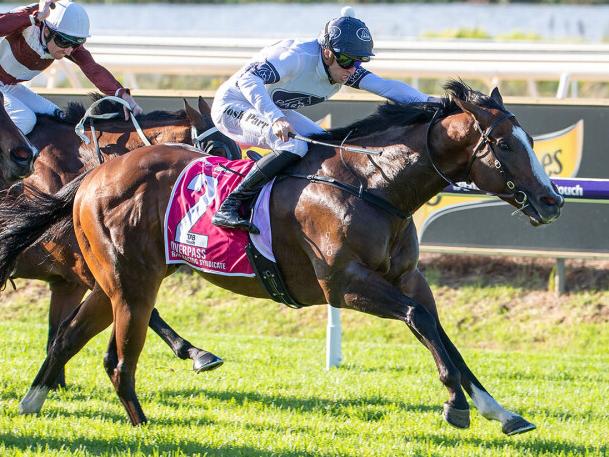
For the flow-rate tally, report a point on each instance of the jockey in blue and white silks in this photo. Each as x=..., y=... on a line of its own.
x=256, y=106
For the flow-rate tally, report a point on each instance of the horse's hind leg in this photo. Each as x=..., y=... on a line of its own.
x=415, y=285
x=65, y=297
x=132, y=304
x=90, y=318
x=202, y=360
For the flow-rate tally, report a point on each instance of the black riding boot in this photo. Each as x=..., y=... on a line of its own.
x=262, y=172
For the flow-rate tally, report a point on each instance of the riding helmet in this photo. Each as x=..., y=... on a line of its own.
x=347, y=35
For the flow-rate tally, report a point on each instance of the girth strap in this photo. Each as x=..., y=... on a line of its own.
x=359, y=192
x=270, y=277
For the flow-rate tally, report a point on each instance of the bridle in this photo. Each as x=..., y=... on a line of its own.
x=483, y=148
x=210, y=140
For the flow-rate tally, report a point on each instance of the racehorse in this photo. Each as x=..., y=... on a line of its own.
x=331, y=245
x=16, y=152
x=63, y=156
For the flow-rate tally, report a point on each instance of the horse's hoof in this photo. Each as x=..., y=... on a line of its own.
x=33, y=400
x=206, y=361
x=456, y=417
x=517, y=425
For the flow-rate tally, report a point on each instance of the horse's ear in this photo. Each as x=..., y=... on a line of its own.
x=495, y=95
x=204, y=107
x=474, y=110
x=194, y=116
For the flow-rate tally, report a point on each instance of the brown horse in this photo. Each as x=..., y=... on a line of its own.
x=16, y=152
x=331, y=246
x=62, y=157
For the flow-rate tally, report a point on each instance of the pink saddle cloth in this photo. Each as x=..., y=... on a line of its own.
x=191, y=238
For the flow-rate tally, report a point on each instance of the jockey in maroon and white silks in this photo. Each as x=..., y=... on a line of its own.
x=257, y=105
x=33, y=38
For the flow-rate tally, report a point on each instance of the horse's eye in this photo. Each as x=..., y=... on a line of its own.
x=504, y=146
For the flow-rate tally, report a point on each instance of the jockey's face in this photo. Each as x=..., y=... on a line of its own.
x=56, y=51
x=337, y=73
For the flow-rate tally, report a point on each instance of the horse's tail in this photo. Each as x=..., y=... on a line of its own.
x=27, y=217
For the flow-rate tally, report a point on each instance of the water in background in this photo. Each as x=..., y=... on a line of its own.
x=387, y=21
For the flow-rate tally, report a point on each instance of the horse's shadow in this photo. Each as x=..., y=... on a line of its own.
x=369, y=408
x=103, y=447
x=531, y=444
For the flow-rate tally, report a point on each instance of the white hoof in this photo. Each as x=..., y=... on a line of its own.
x=33, y=400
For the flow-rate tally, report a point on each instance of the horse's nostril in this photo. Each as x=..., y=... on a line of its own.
x=551, y=201
x=21, y=154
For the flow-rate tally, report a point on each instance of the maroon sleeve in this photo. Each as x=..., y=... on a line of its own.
x=16, y=20
x=97, y=74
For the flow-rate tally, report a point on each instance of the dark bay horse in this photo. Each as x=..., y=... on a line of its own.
x=331, y=246
x=63, y=157
x=16, y=152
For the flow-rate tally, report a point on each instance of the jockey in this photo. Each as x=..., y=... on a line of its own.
x=256, y=106
x=34, y=36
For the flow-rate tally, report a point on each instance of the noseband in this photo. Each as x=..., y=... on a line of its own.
x=484, y=146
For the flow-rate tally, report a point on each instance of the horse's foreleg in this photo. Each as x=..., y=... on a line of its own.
x=366, y=291
x=90, y=318
x=65, y=297
x=202, y=359
x=415, y=285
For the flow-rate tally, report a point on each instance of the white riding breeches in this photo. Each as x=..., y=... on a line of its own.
x=240, y=121
x=22, y=104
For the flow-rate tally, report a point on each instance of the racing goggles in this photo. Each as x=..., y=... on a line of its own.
x=66, y=41
x=346, y=61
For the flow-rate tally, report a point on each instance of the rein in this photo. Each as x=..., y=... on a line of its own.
x=80, y=127
x=484, y=145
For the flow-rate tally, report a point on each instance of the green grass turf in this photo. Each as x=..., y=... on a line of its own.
x=273, y=396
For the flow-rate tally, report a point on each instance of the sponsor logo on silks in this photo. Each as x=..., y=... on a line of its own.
x=363, y=34
x=251, y=118
x=265, y=71
x=237, y=114
x=294, y=100
x=333, y=32
x=560, y=154
x=356, y=77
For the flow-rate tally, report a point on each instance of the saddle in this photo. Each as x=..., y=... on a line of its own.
x=191, y=238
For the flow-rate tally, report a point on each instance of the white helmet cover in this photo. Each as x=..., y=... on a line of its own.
x=69, y=18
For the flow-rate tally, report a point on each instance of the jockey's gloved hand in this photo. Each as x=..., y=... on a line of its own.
x=44, y=9
x=135, y=108
x=281, y=128
x=59, y=114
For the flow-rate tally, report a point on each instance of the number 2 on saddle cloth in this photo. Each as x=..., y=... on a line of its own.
x=190, y=237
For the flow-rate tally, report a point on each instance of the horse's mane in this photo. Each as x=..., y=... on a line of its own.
x=74, y=112
x=395, y=114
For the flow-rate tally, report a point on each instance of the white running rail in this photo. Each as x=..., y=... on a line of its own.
x=489, y=61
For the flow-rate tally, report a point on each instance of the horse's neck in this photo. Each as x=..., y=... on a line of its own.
x=404, y=172
x=116, y=139
x=174, y=131
x=63, y=157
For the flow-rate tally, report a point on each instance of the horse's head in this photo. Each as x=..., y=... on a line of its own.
x=16, y=153
x=501, y=160
x=206, y=136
